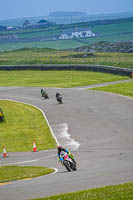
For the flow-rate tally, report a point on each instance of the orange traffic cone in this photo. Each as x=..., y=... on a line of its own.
x=4, y=152
x=34, y=147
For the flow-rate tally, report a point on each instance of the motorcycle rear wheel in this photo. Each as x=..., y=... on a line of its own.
x=73, y=166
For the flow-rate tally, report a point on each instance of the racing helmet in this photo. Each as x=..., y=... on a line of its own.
x=59, y=147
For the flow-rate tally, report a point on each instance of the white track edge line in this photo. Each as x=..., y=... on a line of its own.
x=43, y=115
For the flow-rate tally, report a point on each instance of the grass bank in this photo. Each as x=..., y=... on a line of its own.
x=36, y=56
x=125, y=89
x=13, y=173
x=24, y=123
x=64, y=79
x=116, y=192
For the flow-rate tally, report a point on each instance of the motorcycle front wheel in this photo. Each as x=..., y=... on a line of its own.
x=67, y=166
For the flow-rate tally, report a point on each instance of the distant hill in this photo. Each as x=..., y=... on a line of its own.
x=68, y=19
x=99, y=22
x=66, y=13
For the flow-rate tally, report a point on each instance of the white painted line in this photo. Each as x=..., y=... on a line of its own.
x=29, y=161
x=21, y=98
x=21, y=162
x=29, y=179
x=43, y=115
x=65, y=138
x=49, y=156
x=56, y=170
x=9, y=88
x=49, y=126
x=113, y=94
x=101, y=84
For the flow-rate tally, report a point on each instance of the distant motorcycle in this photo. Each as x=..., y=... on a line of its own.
x=44, y=94
x=59, y=98
x=67, y=162
x=1, y=115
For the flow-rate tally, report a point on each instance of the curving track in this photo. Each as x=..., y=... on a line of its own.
x=101, y=123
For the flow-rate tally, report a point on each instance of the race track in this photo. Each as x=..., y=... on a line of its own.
x=96, y=126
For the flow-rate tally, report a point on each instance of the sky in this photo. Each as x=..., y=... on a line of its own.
x=11, y=9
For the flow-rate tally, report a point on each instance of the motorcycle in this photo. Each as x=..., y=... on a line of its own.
x=67, y=162
x=59, y=99
x=44, y=94
x=1, y=115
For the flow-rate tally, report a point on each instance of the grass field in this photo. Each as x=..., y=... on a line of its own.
x=37, y=56
x=60, y=44
x=64, y=79
x=112, y=29
x=23, y=125
x=114, y=37
x=13, y=173
x=108, y=30
x=125, y=89
x=65, y=44
x=116, y=192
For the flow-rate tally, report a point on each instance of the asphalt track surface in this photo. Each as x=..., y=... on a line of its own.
x=96, y=126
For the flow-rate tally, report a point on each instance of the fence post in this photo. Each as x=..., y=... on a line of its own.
x=50, y=60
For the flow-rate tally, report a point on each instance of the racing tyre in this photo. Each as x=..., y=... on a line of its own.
x=67, y=166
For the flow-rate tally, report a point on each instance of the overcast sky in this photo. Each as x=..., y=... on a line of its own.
x=10, y=9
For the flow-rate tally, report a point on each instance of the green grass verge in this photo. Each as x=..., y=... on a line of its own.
x=37, y=56
x=24, y=123
x=50, y=78
x=116, y=192
x=13, y=173
x=125, y=89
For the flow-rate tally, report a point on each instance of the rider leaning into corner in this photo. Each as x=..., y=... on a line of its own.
x=60, y=149
x=43, y=92
x=58, y=95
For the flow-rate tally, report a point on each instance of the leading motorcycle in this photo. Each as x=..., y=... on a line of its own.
x=59, y=99
x=67, y=162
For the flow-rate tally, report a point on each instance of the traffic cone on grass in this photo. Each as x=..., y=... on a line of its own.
x=34, y=147
x=4, y=152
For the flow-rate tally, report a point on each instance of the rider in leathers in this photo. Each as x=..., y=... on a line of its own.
x=60, y=149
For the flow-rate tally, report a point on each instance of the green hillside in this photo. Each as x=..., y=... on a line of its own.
x=59, y=45
x=113, y=30
x=68, y=19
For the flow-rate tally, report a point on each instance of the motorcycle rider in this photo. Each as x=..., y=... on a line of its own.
x=44, y=93
x=60, y=149
x=1, y=115
x=58, y=97
x=57, y=94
